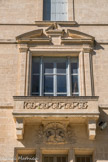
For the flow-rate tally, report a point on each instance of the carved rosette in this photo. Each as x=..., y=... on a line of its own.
x=55, y=132
x=59, y=105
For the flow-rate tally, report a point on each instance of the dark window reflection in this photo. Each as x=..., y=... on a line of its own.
x=35, y=67
x=74, y=68
x=35, y=83
x=61, y=83
x=61, y=67
x=75, y=83
x=48, y=83
x=48, y=67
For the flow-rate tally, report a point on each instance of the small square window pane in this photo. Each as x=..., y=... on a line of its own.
x=78, y=159
x=35, y=83
x=35, y=67
x=88, y=159
x=61, y=67
x=83, y=159
x=48, y=67
x=35, y=94
x=75, y=87
x=48, y=95
x=74, y=68
x=50, y=159
x=45, y=159
x=48, y=83
x=61, y=83
x=62, y=94
x=63, y=159
x=74, y=94
x=59, y=159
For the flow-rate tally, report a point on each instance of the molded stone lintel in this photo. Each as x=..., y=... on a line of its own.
x=19, y=128
x=92, y=129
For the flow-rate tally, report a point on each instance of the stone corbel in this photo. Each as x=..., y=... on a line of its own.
x=92, y=129
x=87, y=48
x=19, y=128
x=23, y=48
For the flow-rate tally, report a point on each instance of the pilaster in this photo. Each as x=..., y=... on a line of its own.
x=87, y=71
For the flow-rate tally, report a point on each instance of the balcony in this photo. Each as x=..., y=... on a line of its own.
x=29, y=109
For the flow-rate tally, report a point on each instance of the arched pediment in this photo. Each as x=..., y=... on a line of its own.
x=55, y=35
x=35, y=36
x=78, y=35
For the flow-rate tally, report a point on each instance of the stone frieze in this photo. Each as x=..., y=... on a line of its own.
x=57, y=105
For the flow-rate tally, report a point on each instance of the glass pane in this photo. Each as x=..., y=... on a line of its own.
x=75, y=94
x=48, y=95
x=61, y=67
x=78, y=159
x=83, y=159
x=61, y=83
x=74, y=68
x=59, y=159
x=47, y=9
x=48, y=83
x=48, y=68
x=26, y=158
x=50, y=159
x=61, y=94
x=75, y=87
x=88, y=159
x=35, y=83
x=63, y=159
x=45, y=159
x=35, y=66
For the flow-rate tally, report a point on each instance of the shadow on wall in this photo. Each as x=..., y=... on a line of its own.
x=102, y=137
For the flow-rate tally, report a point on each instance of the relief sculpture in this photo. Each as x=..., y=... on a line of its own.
x=54, y=132
x=59, y=105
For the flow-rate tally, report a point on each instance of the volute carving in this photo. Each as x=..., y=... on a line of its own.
x=55, y=132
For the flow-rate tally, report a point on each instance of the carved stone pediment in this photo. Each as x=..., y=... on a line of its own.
x=54, y=30
x=35, y=36
x=55, y=132
x=77, y=37
x=55, y=35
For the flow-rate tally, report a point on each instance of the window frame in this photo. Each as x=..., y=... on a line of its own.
x=68, y=60
x=80, y=156
x=55, y=156
x=67, y=8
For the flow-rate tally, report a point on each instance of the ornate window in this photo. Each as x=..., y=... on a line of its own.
x=55, y=10
x=55, y=76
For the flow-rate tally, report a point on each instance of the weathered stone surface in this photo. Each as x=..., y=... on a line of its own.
x=69, y=125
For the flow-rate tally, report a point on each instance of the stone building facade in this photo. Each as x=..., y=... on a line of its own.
x=54, y=80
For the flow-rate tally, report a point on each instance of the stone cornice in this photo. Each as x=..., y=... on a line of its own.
x=44, y=98
x=62, y=23
x=103, y=106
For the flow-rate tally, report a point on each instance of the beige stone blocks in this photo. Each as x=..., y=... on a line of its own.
x=92, y=129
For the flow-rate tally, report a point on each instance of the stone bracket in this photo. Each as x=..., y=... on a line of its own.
x=19, y=128
x=92, y=129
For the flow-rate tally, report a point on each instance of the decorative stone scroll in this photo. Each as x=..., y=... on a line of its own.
x=54, y=132
x=59, y=105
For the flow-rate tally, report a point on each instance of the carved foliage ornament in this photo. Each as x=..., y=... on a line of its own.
x=60, y=105
x=54, y=132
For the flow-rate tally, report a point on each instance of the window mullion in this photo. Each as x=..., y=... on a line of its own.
x=69, y=88
x=41, y=76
